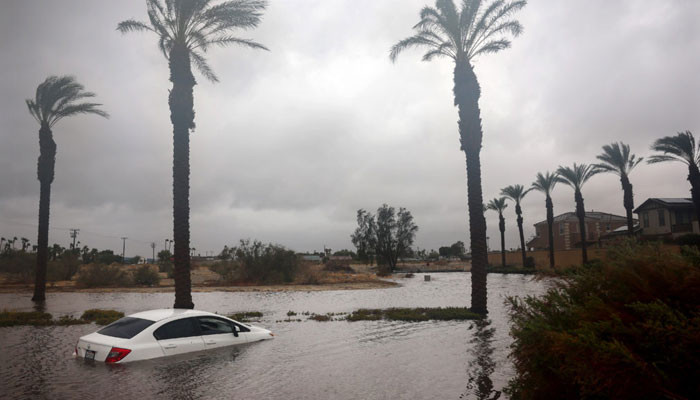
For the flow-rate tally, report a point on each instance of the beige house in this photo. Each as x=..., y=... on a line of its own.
x=665, y=217
x=567, y=234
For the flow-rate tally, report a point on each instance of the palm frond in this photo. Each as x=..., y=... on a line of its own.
x=515, y=192
x=617, y=158
x=203, y=67
x=497, y=204
x=676, y=148
x=545, y=183
x=577, y=175
x=131, y=25
x=56, y=98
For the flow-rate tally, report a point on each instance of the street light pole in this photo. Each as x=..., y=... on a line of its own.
x=123, y=249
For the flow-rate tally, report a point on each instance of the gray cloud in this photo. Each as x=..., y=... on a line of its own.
x=293, y=141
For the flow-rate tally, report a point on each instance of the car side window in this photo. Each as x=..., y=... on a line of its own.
x=214, y=326
x=185, y=327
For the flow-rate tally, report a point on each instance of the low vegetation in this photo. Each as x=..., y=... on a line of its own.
x=246, y=316
x=36, y=318
x=146, y=275
x=510, y=269
x=413, y=314
x=101, y=275
x=626, y=328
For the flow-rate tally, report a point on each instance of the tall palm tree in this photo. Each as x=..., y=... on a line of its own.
x=463, y=35
x=186, y=29
x=681, y=148
x=576, y=177
x=517, y=193
x=616, y=158
x=499, y=205
x=545, y=184
x=56, y=98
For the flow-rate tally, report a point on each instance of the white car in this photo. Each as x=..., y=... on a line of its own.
x=166, y=332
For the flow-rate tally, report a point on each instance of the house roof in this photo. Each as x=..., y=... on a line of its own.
x=666, y=202
x=590, y=216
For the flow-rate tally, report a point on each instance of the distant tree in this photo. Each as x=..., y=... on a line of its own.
x=186, y=29
x=226, y=253
x=108, y=257
x=457, y=249
x=477, y=29
x=135, y=259
x=576, y=177
x=365, y=236
x=56, y=98
x=395, y=234
x=445, y=251
x=681, y=148
x=499, y=205
x=165, y=261
x=517, y=193
x=545, y=184
x=345, y=253
x=616, y=158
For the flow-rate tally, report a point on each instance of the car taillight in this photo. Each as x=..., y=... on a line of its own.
x=116, y=354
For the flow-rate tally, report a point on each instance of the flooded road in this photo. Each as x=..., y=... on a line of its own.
x=306, y=360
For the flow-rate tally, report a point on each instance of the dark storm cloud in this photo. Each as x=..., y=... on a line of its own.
x=293, y=141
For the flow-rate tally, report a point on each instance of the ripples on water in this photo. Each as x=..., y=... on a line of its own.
x=306, y=360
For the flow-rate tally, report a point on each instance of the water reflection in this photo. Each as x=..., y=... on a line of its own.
x=482, y=364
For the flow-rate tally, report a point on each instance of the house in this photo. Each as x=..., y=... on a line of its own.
x=667, y=217
x=566, y=230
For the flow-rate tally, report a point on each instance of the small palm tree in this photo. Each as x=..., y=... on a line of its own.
x=576, y=177
x=545, y=184
x=499, y=205
x=681, y=148
x=56, y=98
x=477, y=29
x=186, y=29
x=616, y=158
x=517, y=193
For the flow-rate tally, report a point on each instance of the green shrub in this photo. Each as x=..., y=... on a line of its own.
x=414, y=314
x=691, y=239
x=64, y=268
x=228, y=271
x=19, y=265
x=15, y=318
x=320, y=317
x=146, y=275
x=268, y=263
x=102, y=317
x=246, y=316
x=101, y=275
x=626, y=328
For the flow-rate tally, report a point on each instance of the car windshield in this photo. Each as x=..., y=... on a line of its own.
x=126, y=328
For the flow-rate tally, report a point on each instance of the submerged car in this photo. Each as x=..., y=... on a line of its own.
x=166, y=332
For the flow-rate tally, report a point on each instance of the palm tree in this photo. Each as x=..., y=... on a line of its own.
x=186, y=29
x=545, y=184
x=463, y=35
x=499, y=205
x=681, y=148
x=616, y=158
x=56, y=98
x=576, y=177
x=517, y=193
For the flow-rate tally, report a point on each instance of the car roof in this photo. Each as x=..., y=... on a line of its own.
x=164, y=313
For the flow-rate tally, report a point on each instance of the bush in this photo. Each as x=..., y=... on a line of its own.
x=246, y=316
x=14, y=318
x=228, y=271
x=626, y=328
x=269, y=263
x=414, y=314
x=338, y=266
x=20, y=265
x=146, y=275
x=691, y=239
x=64, y=268
x=101, y=317
x=100, y=275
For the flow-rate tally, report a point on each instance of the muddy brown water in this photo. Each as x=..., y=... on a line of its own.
x=306, y=360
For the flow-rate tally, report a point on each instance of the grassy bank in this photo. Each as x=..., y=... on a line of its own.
x=413, y=314
x=37, y=318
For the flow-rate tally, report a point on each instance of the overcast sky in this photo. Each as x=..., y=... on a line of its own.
x=293, y=141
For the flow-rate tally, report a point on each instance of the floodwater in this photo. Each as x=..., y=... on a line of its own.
x=305, y=360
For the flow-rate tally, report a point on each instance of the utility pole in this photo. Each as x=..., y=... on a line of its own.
x=74, y=234
x=124, y=249
x=153, y=247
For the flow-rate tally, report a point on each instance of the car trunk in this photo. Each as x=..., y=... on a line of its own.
x=99, y=344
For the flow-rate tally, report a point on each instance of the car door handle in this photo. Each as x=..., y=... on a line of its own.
x=170, y=346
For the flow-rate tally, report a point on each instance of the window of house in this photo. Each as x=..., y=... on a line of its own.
x=561, y=228
x=607, y=227
x=662, y=218
x=645, y=219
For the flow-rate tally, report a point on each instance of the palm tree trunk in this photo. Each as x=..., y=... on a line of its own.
x=628, y=202
x=519, y=212
x=694, y=178
x=467, y=93
x=502, y=228
x=550, y=229
x=182, y=117
x=45, y=174
x=581, y=214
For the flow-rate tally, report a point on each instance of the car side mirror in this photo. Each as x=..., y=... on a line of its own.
x=235, y=331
